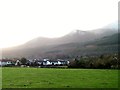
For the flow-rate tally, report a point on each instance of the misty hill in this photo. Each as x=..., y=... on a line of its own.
x=75, y=43
x=108, y=40
x=104, y=45
x=76, y=36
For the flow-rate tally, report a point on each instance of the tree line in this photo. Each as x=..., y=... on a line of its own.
x=96, y=62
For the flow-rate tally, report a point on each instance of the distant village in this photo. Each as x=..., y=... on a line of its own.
x=23, y=62
x=105, y=61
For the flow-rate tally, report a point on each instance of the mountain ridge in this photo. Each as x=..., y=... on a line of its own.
x=70, y=43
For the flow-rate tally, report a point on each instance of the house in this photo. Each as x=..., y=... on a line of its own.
x=6, y=62
x=17, y=63
x=55, y=62
x=44, y=62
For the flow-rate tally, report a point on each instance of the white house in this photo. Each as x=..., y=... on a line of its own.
x=5, y=63
x=17, y=63
x=47, y=63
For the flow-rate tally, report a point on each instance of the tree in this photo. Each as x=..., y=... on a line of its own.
x=23, y=60
x=73, y=64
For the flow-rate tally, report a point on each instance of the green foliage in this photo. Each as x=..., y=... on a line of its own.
x=23, y=60
x=103, y=61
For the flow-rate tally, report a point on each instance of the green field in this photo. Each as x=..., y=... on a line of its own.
x=59, y=78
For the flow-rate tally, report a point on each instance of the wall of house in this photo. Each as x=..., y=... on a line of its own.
x=5, y=63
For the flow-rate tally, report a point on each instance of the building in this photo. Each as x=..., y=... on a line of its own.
x=6, y=62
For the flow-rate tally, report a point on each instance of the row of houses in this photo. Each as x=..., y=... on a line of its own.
x=43, y=62
x=53, y=62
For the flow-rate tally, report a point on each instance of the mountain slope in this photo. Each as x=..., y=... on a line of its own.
x=108, y=44
x=75, y=43
x=107, y=40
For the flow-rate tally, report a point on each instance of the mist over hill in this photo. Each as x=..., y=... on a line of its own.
x=78, y=42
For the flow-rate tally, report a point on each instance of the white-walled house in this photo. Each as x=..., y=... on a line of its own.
x=47, y=63
x=17, y=63
x=5, y=62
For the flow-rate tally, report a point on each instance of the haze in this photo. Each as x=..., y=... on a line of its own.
x=23, y=20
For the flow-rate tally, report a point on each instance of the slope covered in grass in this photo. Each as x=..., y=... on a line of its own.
x=59, y=78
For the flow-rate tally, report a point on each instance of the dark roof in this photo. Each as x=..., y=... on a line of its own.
x=5, y=60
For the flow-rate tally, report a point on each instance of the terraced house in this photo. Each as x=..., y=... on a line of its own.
x=6, y=62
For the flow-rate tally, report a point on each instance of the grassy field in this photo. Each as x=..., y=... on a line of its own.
x=59, y=78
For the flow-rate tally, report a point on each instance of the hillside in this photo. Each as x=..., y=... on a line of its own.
x=108, y=40
x=75, y=43
x=105, y=45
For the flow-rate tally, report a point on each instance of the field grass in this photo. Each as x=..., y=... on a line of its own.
x=59, y=78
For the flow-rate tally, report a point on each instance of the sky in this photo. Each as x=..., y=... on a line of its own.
x=23, y=20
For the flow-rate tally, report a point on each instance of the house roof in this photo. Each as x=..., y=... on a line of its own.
x=6, y=60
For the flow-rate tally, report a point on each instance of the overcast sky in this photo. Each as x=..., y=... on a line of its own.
x=23, y=20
